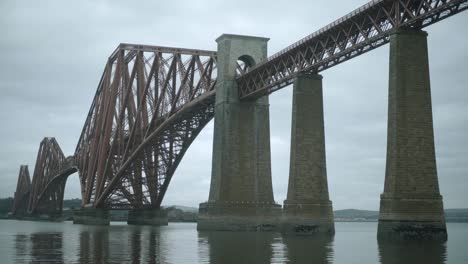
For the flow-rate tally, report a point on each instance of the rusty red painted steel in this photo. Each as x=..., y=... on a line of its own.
x=23, y=187
x=362, y=30
x=152, y=102
x=122, y=161
x=48, y=182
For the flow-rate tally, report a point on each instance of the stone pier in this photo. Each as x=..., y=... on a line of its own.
x=308, y=208
x=91, y=216
x=411, y=206
x=241, y=194
x=154, y=217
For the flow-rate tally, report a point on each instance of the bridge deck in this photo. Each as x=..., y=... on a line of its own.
x=362, y=30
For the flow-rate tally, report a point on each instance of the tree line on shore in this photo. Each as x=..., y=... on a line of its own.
x=174, y=213
x=188, y=214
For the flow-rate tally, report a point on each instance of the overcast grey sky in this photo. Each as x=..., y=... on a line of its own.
x=53, y=54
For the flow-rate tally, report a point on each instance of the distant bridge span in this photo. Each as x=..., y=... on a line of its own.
x=152, y=102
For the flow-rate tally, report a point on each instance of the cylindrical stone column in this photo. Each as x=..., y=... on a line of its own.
x=411, y=205
x=308, y=208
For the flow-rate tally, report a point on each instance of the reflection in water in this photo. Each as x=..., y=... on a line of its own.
x=145, y=245
x=414, y=252
x=47, y=247
x=94, y=245
x=44, y=248
x=236, y=247
x=97, y=245
x=84, y=246
x=309, y=249
x=29, y=242
x=135, y=244
x=154, y=255
x=251, y=247
x=21, y=247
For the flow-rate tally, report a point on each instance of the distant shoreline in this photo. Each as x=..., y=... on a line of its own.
x=177, y=213
x=182, y=214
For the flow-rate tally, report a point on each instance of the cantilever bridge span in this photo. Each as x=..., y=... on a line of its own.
x=152, y=102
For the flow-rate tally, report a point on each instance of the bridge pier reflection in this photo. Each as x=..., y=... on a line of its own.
x=309, y=249
x=94, y=246
x=154, y=254
x=39, y=248
x=427, y=252
x=236, y=247
x=263, y=247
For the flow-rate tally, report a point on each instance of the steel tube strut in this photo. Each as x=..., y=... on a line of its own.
x=152, y=101
x=151, y=104
x=362, y=30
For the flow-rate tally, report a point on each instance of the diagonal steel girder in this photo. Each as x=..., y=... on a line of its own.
x=362, y=30
x=23, y=188
x=153, y=101
x=138, y=127
x=50, y=162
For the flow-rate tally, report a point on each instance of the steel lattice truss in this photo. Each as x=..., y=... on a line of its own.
x=150, y=105
x=48, y=183
x=152, y=102
x=23, y=187
x=364, y=29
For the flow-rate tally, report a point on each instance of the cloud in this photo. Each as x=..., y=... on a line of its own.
x=53, y=54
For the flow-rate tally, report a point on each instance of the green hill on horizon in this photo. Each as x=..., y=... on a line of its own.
x=188, y=213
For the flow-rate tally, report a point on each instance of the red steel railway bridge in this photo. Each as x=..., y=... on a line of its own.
x=152, y=102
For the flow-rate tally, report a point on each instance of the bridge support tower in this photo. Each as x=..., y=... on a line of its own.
x=91, y=216
x=154, y=217
x=241, y=194
x=308, y=208
x=411, y=205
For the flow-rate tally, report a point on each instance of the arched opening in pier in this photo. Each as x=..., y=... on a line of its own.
x=244, y=64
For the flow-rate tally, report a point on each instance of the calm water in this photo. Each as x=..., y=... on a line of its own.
x=43, y=242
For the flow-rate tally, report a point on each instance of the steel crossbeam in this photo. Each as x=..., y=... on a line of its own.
x=137, y=129
x=23, y=187
x=152, y=102
x=50, y=162
x=362, y=30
